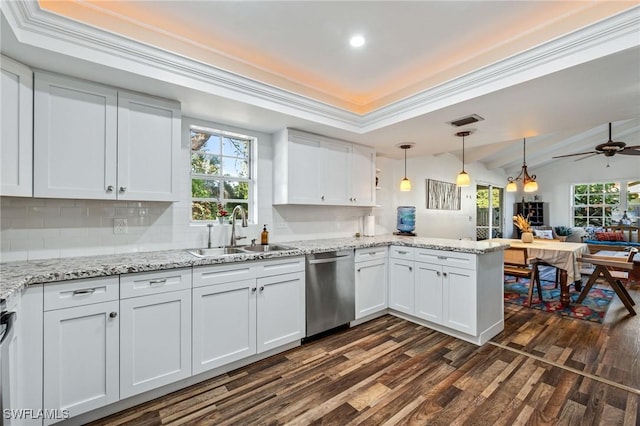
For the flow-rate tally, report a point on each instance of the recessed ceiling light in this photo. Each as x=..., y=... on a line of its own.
x=357, y=41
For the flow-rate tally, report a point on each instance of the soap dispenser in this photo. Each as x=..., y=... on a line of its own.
x=264, y=236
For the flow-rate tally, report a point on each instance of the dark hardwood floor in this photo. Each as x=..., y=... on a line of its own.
x=543, y=369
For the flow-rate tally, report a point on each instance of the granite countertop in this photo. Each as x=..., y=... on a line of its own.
x=14, y=276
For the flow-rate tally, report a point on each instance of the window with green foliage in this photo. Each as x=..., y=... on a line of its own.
x=220, y=173
x=594, y=204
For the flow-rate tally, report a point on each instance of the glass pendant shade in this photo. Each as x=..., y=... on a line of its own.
x=531, y=186
x=405, y=185
x=512, y=187
x=463, y=179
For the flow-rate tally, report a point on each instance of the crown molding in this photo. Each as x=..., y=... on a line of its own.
x=46, y=30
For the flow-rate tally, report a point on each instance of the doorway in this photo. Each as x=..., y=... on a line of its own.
x=489, y=212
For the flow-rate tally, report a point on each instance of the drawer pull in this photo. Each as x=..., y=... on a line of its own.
x=402, y=252
x=373, y=253
x=84, y=291
x=158, y=281
x=442, y=257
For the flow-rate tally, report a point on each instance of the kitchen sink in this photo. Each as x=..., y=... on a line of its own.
x=215, y=251
x=265, y=248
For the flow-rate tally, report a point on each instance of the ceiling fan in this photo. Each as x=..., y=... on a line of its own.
x=609, y=149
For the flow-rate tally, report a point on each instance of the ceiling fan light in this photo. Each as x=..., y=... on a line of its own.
x=512, y=187
x=405, y=185
x=463, y=179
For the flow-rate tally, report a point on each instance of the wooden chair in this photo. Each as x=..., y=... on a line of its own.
x=607, y=266
x=517, y=264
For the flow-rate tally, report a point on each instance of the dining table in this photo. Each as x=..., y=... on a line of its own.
x=561, y=255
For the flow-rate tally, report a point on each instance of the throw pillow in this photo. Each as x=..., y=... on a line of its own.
x=610, y=236
x=546, y=234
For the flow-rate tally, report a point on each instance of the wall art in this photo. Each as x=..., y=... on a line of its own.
x=443, y=195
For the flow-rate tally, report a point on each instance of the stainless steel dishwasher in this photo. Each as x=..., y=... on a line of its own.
x=330, y=290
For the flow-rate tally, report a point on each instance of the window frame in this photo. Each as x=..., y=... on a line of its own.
x=251, y=201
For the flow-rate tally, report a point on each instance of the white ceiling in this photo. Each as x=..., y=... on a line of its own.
x=388, y=91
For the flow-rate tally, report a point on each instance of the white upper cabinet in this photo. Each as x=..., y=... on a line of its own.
x=93, y=142
x=16, y=116
x=148, y=147
x=313, y=169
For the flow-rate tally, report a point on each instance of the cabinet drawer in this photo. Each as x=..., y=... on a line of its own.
x=69, y=294
x=400, y=252
x=370, y=253
x=145, y=283
x=447, y=258
x=280, y=266
x=220, y=274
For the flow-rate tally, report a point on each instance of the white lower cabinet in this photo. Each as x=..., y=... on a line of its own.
x=280, y=310
x=371, y=281
x=462, y=292
x=224, y=317
x=155, y=330
x=81, y=345
x=244, y=309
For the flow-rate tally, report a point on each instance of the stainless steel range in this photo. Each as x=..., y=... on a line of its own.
x=330, y=290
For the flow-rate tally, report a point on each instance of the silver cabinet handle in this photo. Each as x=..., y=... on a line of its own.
x=442, y=257
x=355, y=199
x=158, y=281
x=110, y=188
x=373, y=253
x=113, y=314
x=123, y=189
x=322, y=198
x=262, y=288
x=410, y=268
x=402, y=252
x=438, y=273
x=444, y=273
x=84, y=291
x=359, y=269
x=253, y=290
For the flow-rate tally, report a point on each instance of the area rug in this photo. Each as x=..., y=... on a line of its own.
x=593, y=308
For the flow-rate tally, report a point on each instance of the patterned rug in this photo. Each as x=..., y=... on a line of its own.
x=593, y=308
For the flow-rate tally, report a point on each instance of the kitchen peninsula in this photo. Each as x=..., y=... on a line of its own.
x=209, y=315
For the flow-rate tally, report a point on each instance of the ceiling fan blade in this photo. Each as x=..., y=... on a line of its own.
x=630, y=150
x=579, y=153
x=588, y=156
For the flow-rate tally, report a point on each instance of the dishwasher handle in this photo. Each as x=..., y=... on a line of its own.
x=328, y=259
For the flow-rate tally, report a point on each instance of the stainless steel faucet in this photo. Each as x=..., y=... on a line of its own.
x=243, y=215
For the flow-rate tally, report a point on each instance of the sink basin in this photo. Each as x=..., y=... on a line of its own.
x=215, y=251
x=265, y=248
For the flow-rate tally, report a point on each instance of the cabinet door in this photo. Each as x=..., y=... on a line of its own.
x=304, y=172
x=335, y=181
x=280, y=314
x=459, y=299
x=371, y=287
x=363, y=175
x=155, y=341
x=148, y=148
x=81, y=357
x=401, y=286
x=429, y=292
x=224, y=324
x=16, y=133
x=75, y=138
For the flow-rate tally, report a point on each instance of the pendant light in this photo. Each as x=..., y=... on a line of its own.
x=529, y=182
x=463, y=177
x=405, y=184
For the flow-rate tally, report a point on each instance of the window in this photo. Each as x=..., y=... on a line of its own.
x=604, y=204
x=221, y=173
